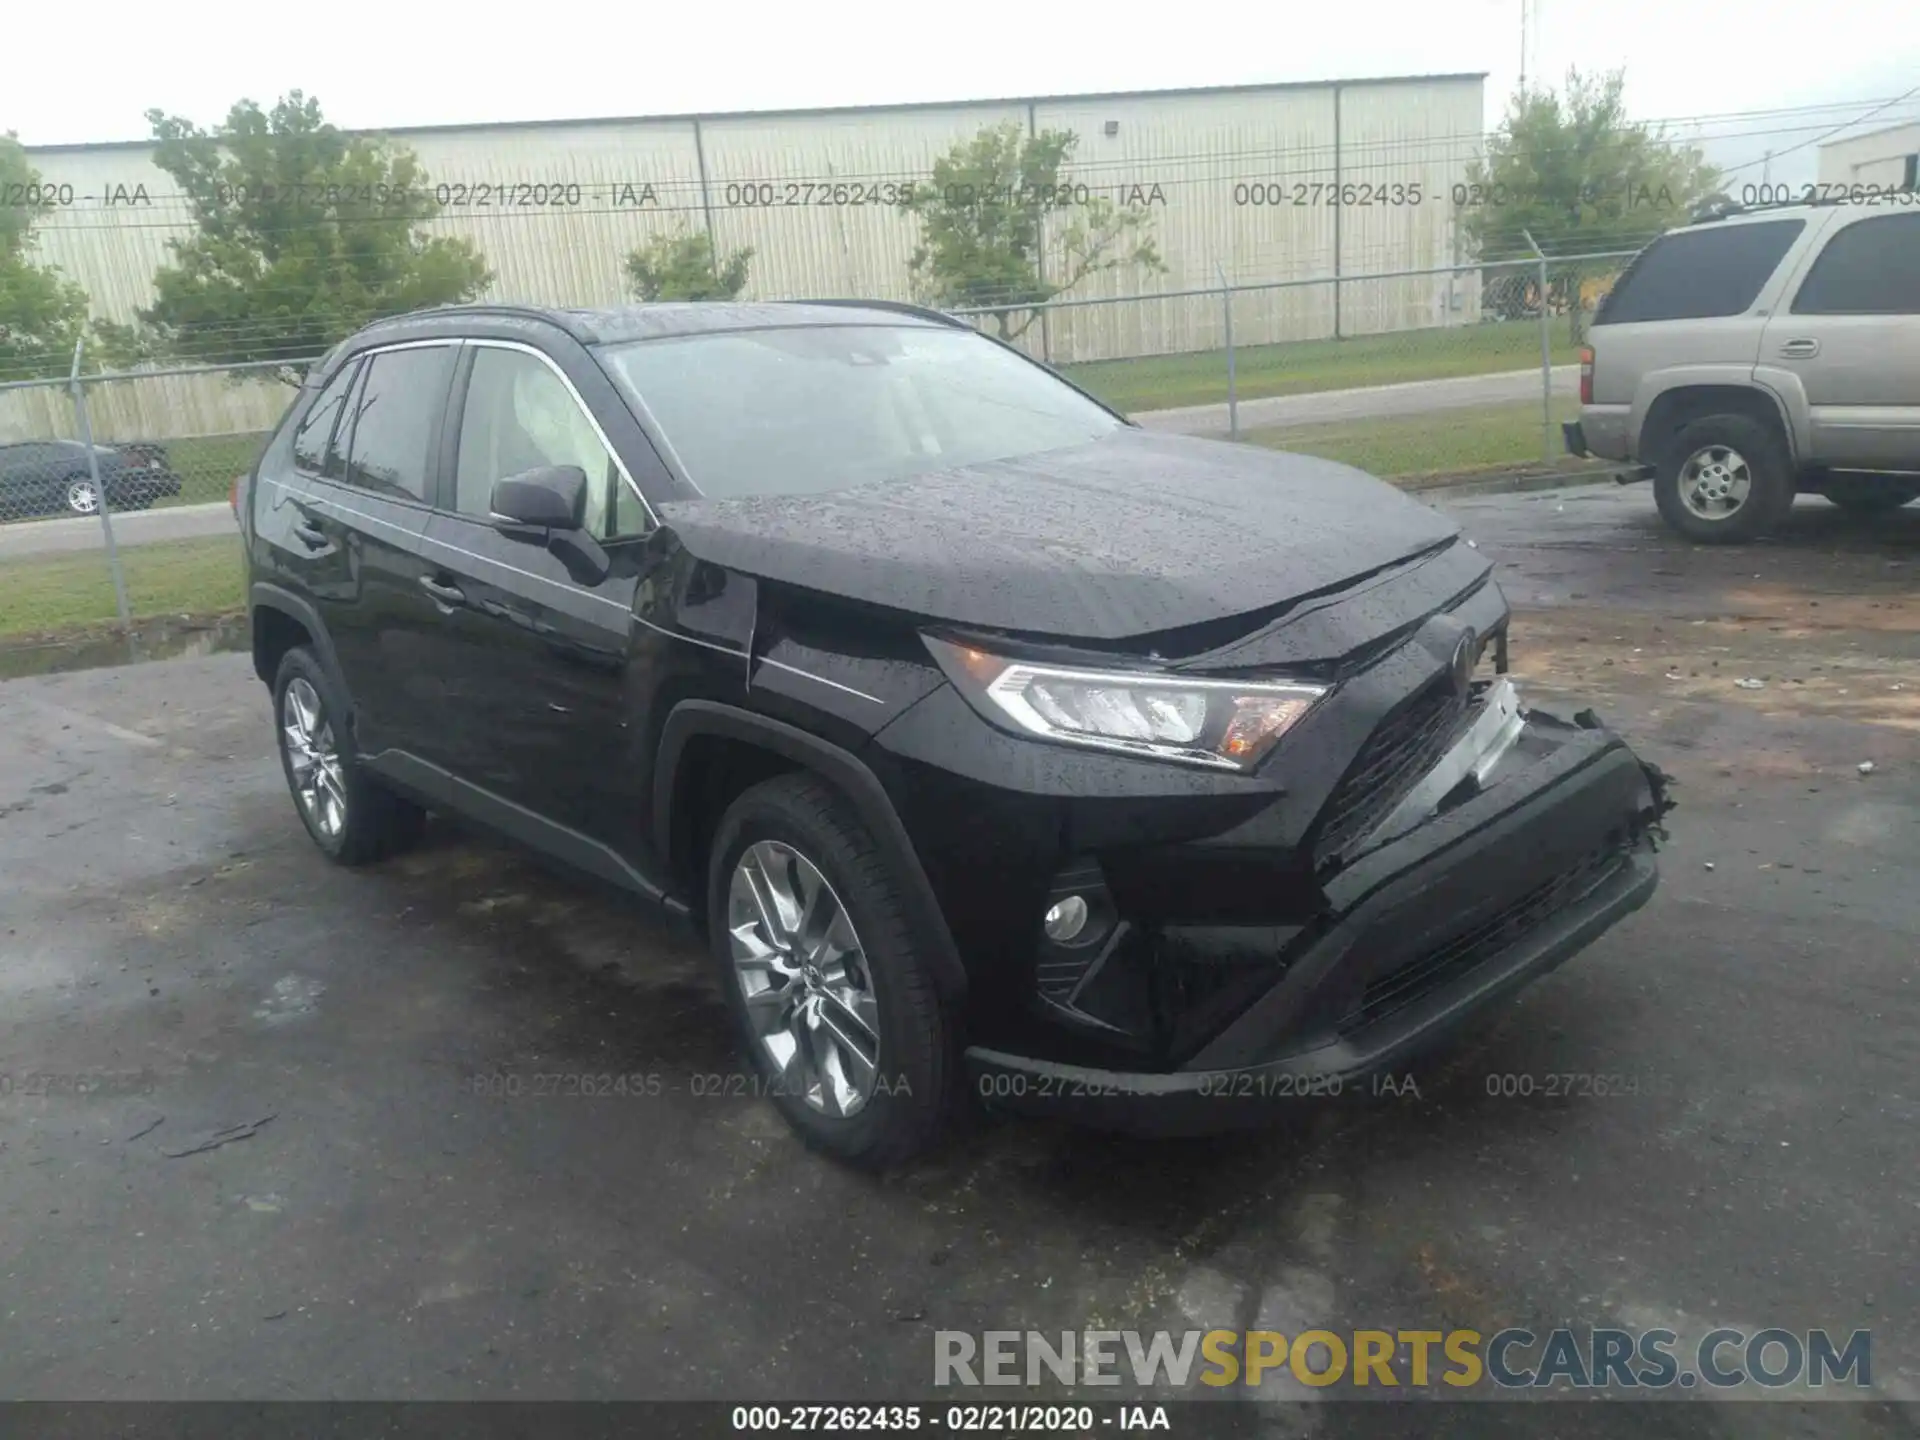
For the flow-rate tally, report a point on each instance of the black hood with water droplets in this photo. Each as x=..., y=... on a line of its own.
x=1131, y=534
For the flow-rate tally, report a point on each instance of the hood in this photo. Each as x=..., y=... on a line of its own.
x=1131, y=534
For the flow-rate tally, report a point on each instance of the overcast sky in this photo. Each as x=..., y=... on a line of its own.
x=375, y=63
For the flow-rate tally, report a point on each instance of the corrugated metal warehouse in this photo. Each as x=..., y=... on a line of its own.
x=1240, y=181
x=1886, y=159
x=556, y=206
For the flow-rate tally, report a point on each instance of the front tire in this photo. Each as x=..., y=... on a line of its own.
x=827, y=980
x=79, y=496
x=351, y=816
x=1724, y=480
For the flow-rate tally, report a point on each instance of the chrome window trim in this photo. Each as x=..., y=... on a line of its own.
x=521, y=347
x=417, y=501
x=426, y=539
x=655, y=430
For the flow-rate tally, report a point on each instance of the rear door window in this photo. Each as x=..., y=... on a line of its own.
x=1871, y=267
x=396, y=416
x=1700, y=274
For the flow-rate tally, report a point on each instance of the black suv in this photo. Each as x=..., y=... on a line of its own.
x=999, y=747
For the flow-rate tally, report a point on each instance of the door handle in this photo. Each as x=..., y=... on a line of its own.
x=1800, y=349
x=443, y=593
x=309, y=534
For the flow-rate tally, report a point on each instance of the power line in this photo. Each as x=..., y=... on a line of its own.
x=1878, y=109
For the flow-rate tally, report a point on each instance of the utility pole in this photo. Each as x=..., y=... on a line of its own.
x=1523, y=45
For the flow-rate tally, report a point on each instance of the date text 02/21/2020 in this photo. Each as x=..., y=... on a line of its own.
x=959, y=1419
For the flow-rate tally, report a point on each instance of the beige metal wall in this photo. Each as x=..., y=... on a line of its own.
x=1877, y=159
x=1191, y=159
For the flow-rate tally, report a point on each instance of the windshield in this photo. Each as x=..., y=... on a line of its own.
x=812, y=408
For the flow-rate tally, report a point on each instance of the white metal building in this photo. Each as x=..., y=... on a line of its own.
x=1887, y=159
x=1240, y=181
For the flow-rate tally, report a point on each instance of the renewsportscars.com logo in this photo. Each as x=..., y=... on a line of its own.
x=1513, y=1359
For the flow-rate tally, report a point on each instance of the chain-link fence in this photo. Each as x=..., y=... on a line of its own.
x=1455, y=355
x=1403, y=373
x=161, y=449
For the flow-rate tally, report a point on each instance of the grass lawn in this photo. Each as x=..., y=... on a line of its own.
x=206, y=465
x=67, y=591
x=1480, y=438
x=1161, y=382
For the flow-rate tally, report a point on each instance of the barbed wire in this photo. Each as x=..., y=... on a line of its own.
x=219, y=343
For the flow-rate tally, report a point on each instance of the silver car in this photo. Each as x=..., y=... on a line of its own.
x=1757, y=354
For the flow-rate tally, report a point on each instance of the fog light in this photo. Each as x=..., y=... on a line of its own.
x=1066, y=920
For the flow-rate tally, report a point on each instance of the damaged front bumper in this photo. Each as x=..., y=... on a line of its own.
x=1527, y=840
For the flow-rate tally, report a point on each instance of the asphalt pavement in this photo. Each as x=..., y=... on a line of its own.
x=68, y=533
x=318, y=1158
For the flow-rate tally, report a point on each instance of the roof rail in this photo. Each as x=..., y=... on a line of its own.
x=480, y=307
x=902, y=307
x=1708, y=211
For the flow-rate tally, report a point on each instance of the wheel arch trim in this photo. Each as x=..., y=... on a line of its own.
x=849, y=775
x=264, y=595
x=1670, y=388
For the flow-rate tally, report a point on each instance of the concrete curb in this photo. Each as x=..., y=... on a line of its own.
x=1514, y=484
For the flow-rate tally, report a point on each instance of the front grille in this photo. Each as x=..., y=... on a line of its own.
x=1400, y=988
x=1404, y=747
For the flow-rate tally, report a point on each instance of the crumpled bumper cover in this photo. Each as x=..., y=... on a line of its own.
x=1423, y=932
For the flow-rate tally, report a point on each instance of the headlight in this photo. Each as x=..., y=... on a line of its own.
x=1226, y=724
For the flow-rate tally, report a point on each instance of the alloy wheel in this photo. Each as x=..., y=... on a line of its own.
x=1715, y=482
x=80, y=497
x=804, y=978
x=313, y=759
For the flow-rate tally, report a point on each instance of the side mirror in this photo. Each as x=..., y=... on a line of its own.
x=553, y=497
x=548, y=507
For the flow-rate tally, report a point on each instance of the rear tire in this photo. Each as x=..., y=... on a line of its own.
x=350, y=815
x=1869, y=494
x=1724, y=480
x=828, y=981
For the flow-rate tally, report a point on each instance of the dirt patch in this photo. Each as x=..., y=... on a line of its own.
x=1797, y=615
x=1865, y=672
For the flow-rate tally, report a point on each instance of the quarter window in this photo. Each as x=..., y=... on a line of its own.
x=1872, y=267
x=1699, y=274
x=395, y=416
x=336, y=464
x=316, y=426
x=520, y=416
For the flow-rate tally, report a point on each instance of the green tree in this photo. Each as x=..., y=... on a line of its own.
x=42, y=313
x=1574, y=172
x=302, y=234
x=1001, y=226
x=679, y=265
